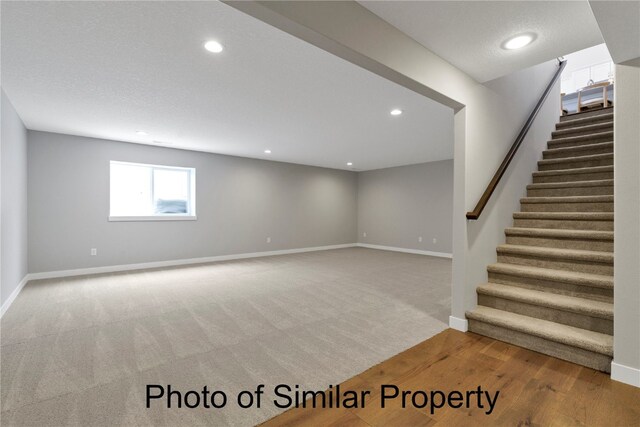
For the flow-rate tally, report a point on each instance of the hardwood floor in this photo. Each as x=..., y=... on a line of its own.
x=534, y=389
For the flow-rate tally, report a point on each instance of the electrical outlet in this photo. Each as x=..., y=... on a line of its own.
x=435, y=240
x=268, y=239
x=364, y=234
x=420, y=239
x=94, y=251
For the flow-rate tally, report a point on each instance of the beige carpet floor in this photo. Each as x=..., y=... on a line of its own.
x=80, y=351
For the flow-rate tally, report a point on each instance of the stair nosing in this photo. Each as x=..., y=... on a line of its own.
x=560, y=233
x=585, y=170
x=600, y=257
x=578, y=123
x=591, y=280
x=586, y=137
x=587, y=147
x=568, y=199
x=578, y=216
x=572, y=159
x=571, y=184
x=555, y=332
x=572, y=304
x=603, y=112
x=602, y=124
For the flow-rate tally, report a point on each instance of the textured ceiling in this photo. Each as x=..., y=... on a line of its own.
x=469, y=34
x=108, y=69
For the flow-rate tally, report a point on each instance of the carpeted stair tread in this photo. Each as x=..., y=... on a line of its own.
x=556, y=332
x=563, y=160
x=568, y=199
x=556, y=253
x=564, y=276
x=587, y=127
x=577, y=151
x=561, y=216
x=571, y=184
x=584, y=121
x=608, y=135
x=587, y=307
x=559, y=233
x=587, y=170
x=590, y=113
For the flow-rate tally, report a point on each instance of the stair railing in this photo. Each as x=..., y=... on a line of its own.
x=475, y=213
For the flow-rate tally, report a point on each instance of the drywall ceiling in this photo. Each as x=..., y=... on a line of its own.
x=109, y=69
x=619, y=22
x=469, y=34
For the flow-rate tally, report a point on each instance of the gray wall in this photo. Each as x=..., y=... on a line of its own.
x=13, y=258
x=626, y=290
x=240, y=202
x=398, y=205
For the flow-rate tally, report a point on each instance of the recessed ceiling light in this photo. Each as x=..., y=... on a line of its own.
x=349, y=164
x=518, y=42
x=213, y=46
x=267, y=151
x=141, y=133
x=396, y=112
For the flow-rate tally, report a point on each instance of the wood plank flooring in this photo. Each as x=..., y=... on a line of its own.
x=534, y=389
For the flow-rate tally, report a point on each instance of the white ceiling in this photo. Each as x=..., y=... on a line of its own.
x=469, y=34
x=107, y=69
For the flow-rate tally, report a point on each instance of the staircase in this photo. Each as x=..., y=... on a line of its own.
x=552, y=288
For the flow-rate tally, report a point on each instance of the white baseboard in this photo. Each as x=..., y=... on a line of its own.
x=178, y=262
x=625, y=374
x=458, y=324
x=13, y=295
x=173, y=263
x=408, y=251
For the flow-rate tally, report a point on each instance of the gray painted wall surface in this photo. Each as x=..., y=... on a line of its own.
x=626, y=274
x=240, y=202
x=13, y=262
x=398, y=205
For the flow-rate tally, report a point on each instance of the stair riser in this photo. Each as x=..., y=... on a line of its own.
x=558, y=264
x=571, y=191
x=589, y=114
x=587, y=358
x=575, y=164
x=549, y=242
x=564, y=224
x=584, y=150
x=593, y=176
x=567, y=207
x=580, y=130
x=562, y=288
x=578, y=320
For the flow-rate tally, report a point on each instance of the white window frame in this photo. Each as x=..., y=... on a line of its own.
x=191, y=203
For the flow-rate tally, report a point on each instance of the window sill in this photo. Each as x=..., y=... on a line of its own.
x=153, y=218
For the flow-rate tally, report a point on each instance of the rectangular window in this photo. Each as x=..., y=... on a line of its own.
x=140, y=192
